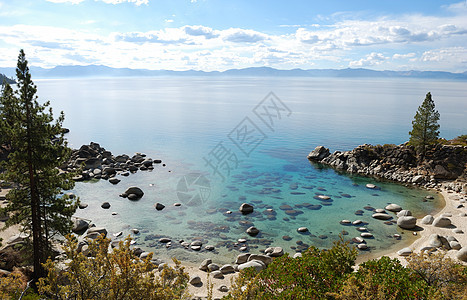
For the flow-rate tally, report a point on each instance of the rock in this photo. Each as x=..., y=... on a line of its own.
x=217, y=274
x=213, y=267
x=302, y=229
x=164, y=240
x=253, y=231
x=204, y=265
x=407, y=222
x=246, y=208
x=297, y=255
x=357, y=222
x=82, y=205
x=135, y=231
x=223, y=289
x=274, y=251
x=98, y=230
x=159, y=206
x=417, y=179
x=264, y=258
x=427, y=220
x=136, y=191
x=458, y=231
x=370, y=186
x=393, y=207
x=18, y=238
x=441, y=222
x=318, y=154
x=462, y=254
x=256, y=264
x=381, y=216
x=242, y=258
x=227, y=269
x=404, y=213
x=114, y=180
x=404, y=251
x=366, y=235
x=144, y=255
x=358, y=239
x=117, y=234
x=345, y=222
x=455, y=245
x=362, y=246
x=209, y=247
x=105, y=205
x=79, y=225
x=195, y=280
x=380, y=210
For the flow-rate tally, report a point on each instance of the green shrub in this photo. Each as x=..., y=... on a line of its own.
x=315, y=274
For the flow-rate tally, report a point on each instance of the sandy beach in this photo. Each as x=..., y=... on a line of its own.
x=458, y=217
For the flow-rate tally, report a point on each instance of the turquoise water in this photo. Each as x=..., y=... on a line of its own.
x=197, y=127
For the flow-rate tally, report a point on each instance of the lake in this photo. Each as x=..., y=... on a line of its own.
x=227, y=140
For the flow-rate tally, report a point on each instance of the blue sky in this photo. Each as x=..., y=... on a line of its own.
x=218, y=35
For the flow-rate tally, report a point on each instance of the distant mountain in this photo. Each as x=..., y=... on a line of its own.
x=104, y=71
x=3, y=78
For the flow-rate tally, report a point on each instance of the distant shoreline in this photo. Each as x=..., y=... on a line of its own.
x=99, y=71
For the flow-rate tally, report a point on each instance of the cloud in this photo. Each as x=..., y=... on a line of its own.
x=371, y=59
x=447, y=55
x=403, y=56
x=166, y=36
x=237, y=35
x=200, y=31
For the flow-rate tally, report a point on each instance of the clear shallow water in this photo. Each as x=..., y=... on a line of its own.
x=183, y=120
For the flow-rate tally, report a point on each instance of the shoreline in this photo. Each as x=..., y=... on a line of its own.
x=451, y=201
x=459, y=221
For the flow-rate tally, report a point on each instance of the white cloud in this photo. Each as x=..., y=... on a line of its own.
x=403, y=56
x=447, y=55
x=371, y=59
x=238, y=35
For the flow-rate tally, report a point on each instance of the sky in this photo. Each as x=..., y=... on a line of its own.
x=219, y=34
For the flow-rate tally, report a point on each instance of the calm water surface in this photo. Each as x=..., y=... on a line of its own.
x=206, y=128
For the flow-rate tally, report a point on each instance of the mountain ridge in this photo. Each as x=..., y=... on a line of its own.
x=97, y=71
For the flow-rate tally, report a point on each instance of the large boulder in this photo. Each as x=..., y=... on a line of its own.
x=427, y=220
x=264, y=258
x=79, y=225
x=404, y=213
x=96, y=231
x=318, y=154
x=246, y=208
x=136, y=191
x=441, y=222
x=252, y=231
x=242, y=258
x=381, y=216
x=462, y=254
x=257, y=264
x=393, y=207
x=408, y=222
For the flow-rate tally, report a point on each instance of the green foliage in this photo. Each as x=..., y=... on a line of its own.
x=314, y=275
x=460, y=140
x=114, y=275
x=425, y=127
x=384, y=278
x=446, y=279
x=37, y=150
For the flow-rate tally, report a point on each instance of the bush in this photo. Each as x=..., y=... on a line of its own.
x=384, y=278
x=315, y=274
x=118, y=274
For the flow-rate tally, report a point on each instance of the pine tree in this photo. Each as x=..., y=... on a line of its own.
x=425, y=130
x=37, y=150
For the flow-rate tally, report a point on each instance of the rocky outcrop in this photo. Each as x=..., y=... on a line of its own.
x=401, y=163
x=93, y=161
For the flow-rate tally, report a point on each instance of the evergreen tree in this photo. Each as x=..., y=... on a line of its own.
x=425, y=130
x=37, y=150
